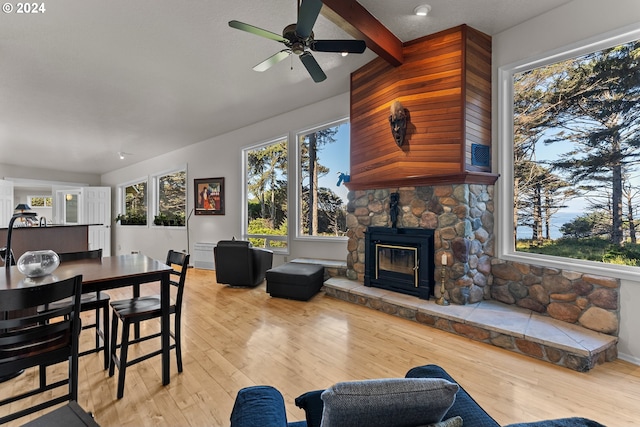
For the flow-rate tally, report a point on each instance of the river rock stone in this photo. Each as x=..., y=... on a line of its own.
x=604, y=298
x=506, y=271
x=555, y=283
x=607, y=282
x=564, y=311
x=539, y=294
x=601, y=320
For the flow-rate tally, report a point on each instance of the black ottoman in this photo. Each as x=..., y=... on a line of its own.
x=295, y=280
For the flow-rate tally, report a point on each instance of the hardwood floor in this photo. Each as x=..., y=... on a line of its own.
x=235, y=338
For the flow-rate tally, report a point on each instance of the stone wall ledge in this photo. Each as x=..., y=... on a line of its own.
x=332, y=267
x=502, y=325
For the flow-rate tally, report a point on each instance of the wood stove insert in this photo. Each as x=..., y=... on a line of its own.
x=400, y=260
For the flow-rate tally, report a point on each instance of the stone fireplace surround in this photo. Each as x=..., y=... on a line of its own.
x=462, y=217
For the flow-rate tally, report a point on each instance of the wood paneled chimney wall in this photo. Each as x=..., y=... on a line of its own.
x=445, y=86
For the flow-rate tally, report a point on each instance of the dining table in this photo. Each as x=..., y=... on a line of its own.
x=108, y=273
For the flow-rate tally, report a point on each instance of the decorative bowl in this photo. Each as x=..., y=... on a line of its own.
x=38, y=263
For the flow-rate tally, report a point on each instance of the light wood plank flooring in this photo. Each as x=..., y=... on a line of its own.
x=235, y=338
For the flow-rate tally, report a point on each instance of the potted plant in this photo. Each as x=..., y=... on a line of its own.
x=132, y=219
x=160, y=219
x=137, y=219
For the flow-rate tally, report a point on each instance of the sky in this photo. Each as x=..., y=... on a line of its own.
x=335, y=156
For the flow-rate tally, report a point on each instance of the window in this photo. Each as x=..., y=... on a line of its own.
x=171, y=198
x=71, y=208
x=40, y=201
x=323, y=155
x=266, y=202
x=571, y=123
x=134, y=203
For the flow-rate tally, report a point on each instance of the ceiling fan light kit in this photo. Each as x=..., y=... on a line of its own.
x=299, y=40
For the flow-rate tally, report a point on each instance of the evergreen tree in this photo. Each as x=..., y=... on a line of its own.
x=596, y=104
x=310, y=146
x=266, y=178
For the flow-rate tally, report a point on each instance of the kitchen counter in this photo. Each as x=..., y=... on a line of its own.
x=58, y=238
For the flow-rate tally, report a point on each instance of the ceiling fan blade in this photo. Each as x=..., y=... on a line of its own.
x=313, y=67
x=307, y=15
x=272, y=60
x=351, y=46
x=257, y=31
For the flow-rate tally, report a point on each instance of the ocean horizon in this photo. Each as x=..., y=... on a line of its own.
x=557, y=221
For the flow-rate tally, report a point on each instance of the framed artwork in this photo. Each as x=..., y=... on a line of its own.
x=209, y=196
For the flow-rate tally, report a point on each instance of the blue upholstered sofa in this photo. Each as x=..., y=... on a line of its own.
x=391, y=403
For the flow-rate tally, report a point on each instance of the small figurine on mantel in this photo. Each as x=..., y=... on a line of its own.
x=393, y=208
x=398, y=121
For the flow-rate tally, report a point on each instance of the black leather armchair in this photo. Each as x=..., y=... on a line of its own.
x=240, y=264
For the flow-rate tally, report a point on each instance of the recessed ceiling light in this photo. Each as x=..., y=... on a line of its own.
x=121, y=154
x=422, y=10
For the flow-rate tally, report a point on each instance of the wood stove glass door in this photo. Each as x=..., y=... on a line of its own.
x=400, y=262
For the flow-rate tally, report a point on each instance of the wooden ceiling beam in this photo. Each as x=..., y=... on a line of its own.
x=360, y=24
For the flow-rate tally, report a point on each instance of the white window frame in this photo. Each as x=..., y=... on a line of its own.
x=505, y=222
x=245, y=213
x=153, y=204
x=298, y=180
x=121, y=195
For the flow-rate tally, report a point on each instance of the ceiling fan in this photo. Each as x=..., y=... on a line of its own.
x=298, y=39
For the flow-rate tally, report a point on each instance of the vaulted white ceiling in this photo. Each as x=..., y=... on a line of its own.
x=84, y=79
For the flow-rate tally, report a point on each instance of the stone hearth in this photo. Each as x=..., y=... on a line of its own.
x=515, y=329
x=503, y=325
x=461, y=216
x=561, y=316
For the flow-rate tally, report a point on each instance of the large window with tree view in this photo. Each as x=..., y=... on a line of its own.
x=171, y=198
x=576, y=152
x=323, y=155
x=266, y=179
x=134, y=201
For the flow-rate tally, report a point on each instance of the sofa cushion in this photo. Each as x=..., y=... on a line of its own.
x=451, y=422
x=472, y=414
x=393, y=402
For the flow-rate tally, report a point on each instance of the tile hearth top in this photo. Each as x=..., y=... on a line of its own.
x=493, y=316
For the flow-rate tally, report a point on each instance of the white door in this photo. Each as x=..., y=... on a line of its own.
x=6, y=203
x=96, y=211
x=59, y=194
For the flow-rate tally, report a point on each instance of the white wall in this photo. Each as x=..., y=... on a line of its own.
x=221, y=157
x=564, y=26
x=11, y=171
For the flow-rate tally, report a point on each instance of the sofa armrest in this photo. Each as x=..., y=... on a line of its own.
x=259, y=406
x=464, y=406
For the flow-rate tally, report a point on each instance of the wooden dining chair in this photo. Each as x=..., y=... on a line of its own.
x=135, y=310
x=98, y=302
x=32, y=337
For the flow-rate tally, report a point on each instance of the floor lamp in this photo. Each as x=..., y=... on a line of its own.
x=189, y=217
